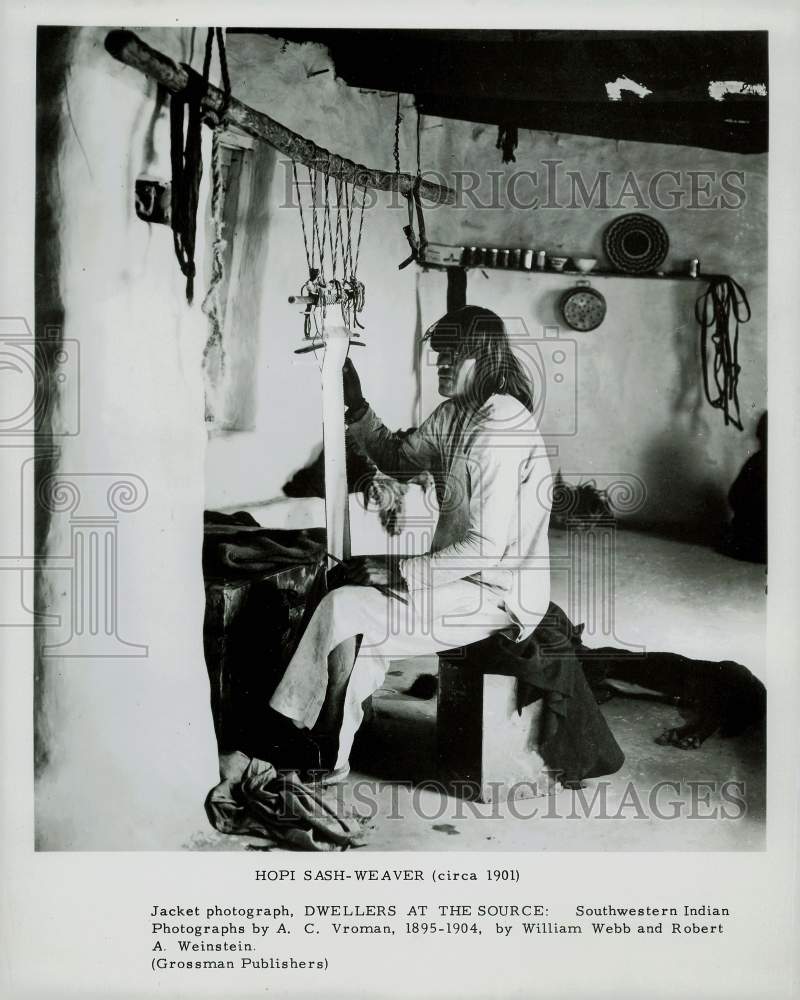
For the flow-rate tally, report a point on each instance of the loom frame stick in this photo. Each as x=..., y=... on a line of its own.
x=128, y=48
x=337, y=517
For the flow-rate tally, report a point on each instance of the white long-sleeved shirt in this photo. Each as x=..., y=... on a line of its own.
x=493, y=482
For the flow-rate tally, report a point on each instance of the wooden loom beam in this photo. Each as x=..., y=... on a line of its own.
x=128, y=48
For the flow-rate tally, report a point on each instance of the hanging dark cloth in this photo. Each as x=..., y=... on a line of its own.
x=187, y=171
x=186, y=154
x=507, y=141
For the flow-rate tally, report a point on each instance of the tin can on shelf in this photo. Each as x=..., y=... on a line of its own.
x=541, y=260
x=492, y=261
x=527, y=259
x=514, y=259
x=502, y=258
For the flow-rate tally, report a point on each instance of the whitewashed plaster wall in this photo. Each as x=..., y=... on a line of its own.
x=126, y=746
x=637, y=378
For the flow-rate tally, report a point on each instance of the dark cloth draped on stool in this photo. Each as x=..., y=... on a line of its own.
x=574, y=741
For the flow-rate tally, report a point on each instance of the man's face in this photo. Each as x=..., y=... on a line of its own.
x=452, y=369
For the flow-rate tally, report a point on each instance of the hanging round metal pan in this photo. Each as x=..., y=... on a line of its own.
x=636, y=244
x=583, y=307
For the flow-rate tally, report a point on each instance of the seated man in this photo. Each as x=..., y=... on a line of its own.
x=488, y=567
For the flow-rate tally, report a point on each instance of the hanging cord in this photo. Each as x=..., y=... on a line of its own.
x=419, y=140
x=349, y=204
x=302, y=218
x=309, y=287
x=217, y=118
x=187, y=165
x=398, y=119
x=723, y=302
x=360, y=228
x=420, y=242
x=326, y=219
x=212, y=305
x=423, y=239
x=339, y=243
x=357, y=296
x=341, y=285
x=351, y=303
x=409, y=229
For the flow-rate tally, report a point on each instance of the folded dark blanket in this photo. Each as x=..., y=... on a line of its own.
x=235, y=544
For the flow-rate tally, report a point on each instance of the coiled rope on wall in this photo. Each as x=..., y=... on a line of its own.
x=719, y=311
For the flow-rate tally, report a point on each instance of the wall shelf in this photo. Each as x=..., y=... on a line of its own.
x=702, y=278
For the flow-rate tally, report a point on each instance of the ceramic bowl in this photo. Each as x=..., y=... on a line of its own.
x=584, y=264
x=557, y=263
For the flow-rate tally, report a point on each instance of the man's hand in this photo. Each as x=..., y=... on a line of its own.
x=368, y=571
x=353, y=397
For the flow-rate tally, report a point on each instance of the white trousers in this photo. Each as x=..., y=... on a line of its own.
x=434, y=620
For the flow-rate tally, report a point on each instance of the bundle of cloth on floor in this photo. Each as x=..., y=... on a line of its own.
x=253, y=799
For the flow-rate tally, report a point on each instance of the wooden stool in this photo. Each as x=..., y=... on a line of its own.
x=486, y=750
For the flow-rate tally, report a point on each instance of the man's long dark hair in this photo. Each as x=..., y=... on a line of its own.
x=481, y=334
